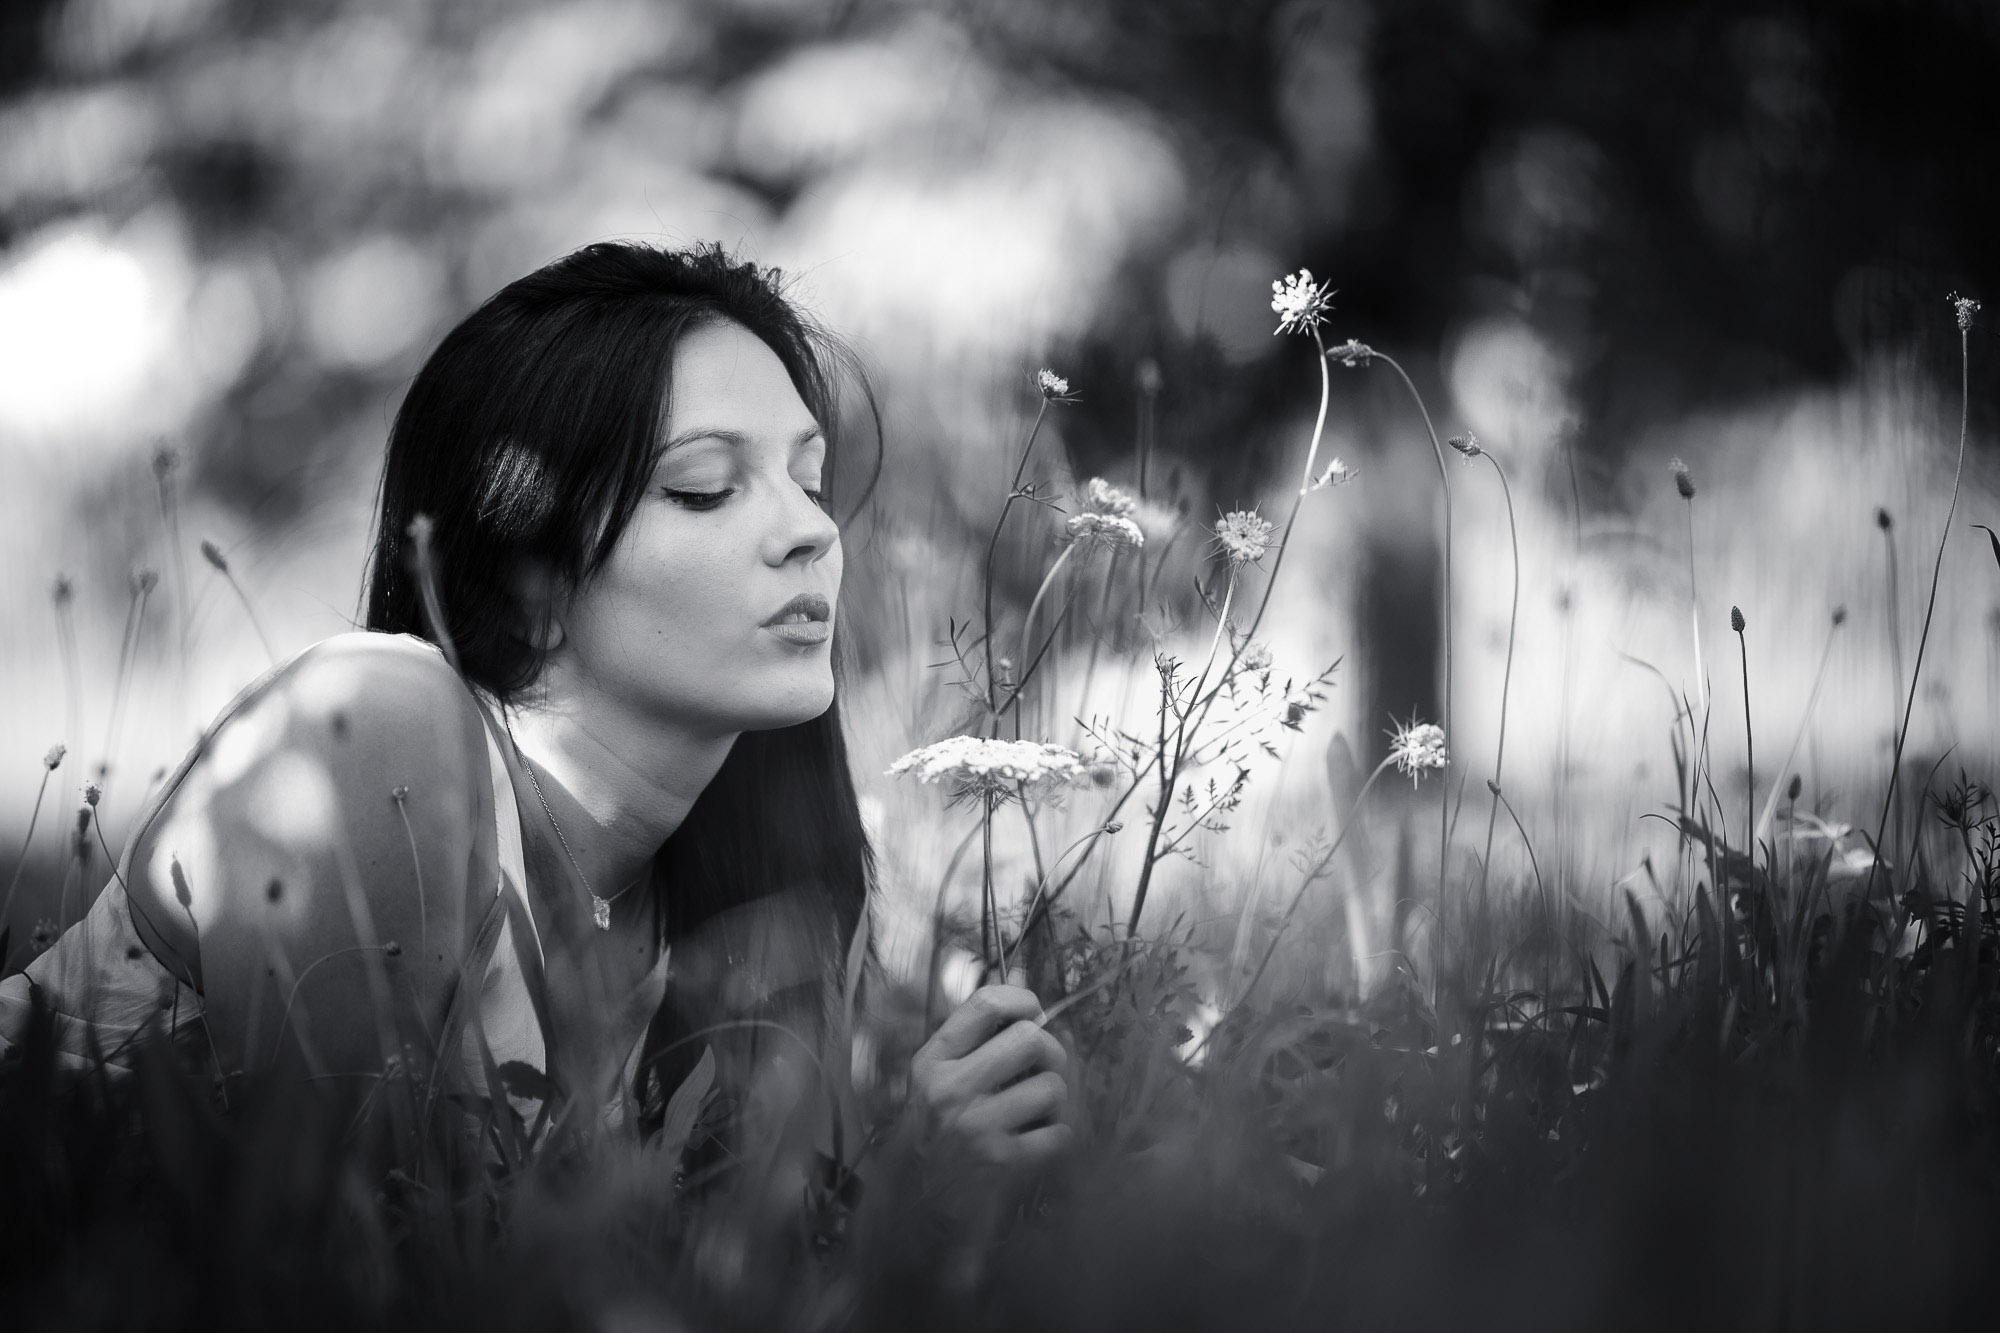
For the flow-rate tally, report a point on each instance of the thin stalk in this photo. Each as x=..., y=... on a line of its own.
x=989, y=916
x=1506, y=679
x=993, y=544
x=165, y=462
x=1749, y=745
x=1277, y=933
x=1444, y=476
x=1040, y=901
x=1028, y=625
x=1533, y=864
x=14, y=882
x=1937, y=568
x=1812, y=699
x=128, y=651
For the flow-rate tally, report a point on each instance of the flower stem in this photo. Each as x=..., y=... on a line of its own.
x=1028, y=625
x=992, y=544
x=1277, y=933
x=15, y=881
x=989, y=917
x=1937, y=568
x=1444, y=708
x=1507, y=677
x=1812, y=698
x=1749, y=759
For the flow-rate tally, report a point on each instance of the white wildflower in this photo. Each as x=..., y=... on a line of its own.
x=1416, y=747
x=1052, y=386
x=1244, y=536
x=1157, y=521
x=976, y=765
x=1300, y=303
x=1256, y=656
x=1101, y=497
x=1336, y=473
x=1095, y=529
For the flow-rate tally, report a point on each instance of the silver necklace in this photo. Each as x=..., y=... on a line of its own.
x=600, y=908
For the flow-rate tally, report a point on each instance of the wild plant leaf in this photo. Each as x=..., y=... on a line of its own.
x=1993, y=538
x=684, y=1106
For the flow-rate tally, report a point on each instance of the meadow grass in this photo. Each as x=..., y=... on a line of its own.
x=1764, y=1096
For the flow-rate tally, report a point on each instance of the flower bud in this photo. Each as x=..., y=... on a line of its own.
x=53, y=759
x=213, y=554
x=1736, y=618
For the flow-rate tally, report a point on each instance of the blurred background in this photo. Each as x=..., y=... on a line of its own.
x=1601, y=236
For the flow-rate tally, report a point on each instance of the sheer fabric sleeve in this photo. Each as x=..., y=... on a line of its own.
x=307, y=871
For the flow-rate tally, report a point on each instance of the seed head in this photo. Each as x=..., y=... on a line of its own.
x=82, y=821
x=1882, y=519
x=1683, y=482
x=1244, y=536
x=1351, y=353
x=1736, y=619
x=43, y=935
x=165, y=459
x=53, y=759
x=1416, y=747
x=1467, y=444
x=1147, y=376
x=1794, y=787
x=393, y=949
x=62, y=590
x=420, y=530
x=1966, y=308
x=1300, y=303
x=144, y=580
x=92, y=793
x=1053, y=386
x=1839, y=616
x=213, y=554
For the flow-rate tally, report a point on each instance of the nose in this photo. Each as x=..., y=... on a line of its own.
x=804, y=532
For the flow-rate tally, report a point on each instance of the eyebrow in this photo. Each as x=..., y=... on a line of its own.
x=735, y=437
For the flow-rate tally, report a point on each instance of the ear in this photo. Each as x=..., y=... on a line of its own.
x=539, y=601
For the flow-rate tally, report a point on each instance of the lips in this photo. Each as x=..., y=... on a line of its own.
x=803, y=609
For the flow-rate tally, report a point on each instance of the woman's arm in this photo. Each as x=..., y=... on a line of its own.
x=310, y=868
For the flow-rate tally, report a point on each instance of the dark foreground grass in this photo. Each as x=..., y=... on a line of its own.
x=1777, y=1115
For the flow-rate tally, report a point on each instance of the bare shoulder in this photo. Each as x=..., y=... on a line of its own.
x=336, y=805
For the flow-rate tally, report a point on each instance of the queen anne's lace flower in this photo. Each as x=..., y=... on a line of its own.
x=1244, y=535
x=1100, y=496
x=1094, y=529
x=1256, y=656
x=1053, y=386
x=1106, y=518
x=1416, y=747
x=1300, y=303
x=976, y=765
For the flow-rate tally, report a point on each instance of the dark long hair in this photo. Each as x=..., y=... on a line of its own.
x=533, y=431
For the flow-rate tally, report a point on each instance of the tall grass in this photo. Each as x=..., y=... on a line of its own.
x=1768, y=1097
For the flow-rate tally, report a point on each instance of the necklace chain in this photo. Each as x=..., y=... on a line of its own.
x=600, y=908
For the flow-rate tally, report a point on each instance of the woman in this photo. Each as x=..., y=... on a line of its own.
x=578, y=794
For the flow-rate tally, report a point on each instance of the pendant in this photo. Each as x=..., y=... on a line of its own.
x=600, y=912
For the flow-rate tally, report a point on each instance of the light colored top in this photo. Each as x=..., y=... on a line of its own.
x=354, y=763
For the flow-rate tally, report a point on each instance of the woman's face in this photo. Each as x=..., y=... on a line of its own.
x=677, y=622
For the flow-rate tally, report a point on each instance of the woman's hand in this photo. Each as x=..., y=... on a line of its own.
x=990, y=1086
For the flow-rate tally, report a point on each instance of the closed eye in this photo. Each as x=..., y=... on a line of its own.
x=696, y=499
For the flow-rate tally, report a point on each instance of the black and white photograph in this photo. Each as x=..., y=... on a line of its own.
x=804, y=666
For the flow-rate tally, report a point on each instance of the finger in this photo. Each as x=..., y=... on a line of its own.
x=1036, y=1146
x=986, y=1011
x=1021, y=1049
x=1010, y=1110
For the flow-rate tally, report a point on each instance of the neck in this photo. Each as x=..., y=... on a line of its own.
x=618, y=780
